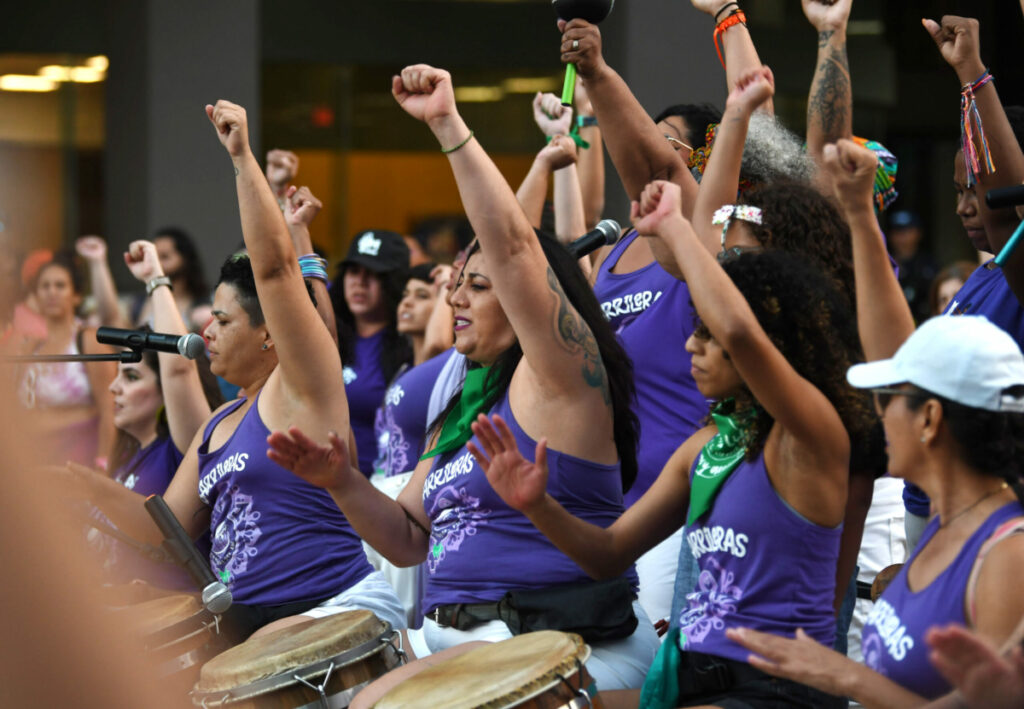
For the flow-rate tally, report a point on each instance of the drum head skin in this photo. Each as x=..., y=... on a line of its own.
x=288, y=648
x=499, y=675
x=153, y=616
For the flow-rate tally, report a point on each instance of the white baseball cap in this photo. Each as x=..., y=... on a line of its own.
x=963, y=358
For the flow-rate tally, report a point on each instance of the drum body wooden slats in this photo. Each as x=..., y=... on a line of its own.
x=524, y=671
x=339, y=654
x=178, y=636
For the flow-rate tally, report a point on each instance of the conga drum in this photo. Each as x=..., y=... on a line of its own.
x=322, y=663
x=178, y=635
x=542, y=670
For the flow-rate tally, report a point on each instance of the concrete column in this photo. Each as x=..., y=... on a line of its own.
x=164, y=164
x=663, y=49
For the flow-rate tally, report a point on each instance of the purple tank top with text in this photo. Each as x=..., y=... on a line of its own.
x=652, y=315
x=893, y=637
x=762, y=566
x=480, y=547
x=364, y=387
x=275, y=538
x=401, y=423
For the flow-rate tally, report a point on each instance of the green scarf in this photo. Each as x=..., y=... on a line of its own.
x=456, y=431
x=661, y=685
x=720, y=456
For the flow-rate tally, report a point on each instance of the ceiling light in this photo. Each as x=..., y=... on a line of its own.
x=99, y=63
x=53, y=72
x=530, y=84
x=478, y=94
x=26, y=82
x=86, y=75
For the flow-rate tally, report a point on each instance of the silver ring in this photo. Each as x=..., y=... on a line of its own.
x=575, y=44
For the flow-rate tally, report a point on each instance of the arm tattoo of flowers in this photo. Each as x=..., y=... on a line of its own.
x=829, y=103
x=575, y=337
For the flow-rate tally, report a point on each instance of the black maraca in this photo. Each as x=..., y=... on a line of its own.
x=593, y=11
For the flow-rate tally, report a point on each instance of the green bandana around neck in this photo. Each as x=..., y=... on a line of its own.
x=456, y=431
x=720, y=456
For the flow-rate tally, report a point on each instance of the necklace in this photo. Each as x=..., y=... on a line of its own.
x=974, y=504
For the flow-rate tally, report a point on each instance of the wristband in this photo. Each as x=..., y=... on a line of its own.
x=736, y=17
x=313, y=266
x=586, y=121
x=155, y=283
x=723, y=8
x=972, y=132
x=469, y=137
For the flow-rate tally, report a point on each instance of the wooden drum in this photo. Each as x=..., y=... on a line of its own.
x=542, y=670
x=178, y=634
x=322, y=663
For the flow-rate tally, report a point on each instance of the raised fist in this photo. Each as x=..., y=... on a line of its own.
x=852, y=171
x=302, y=206
x=550, y=115
x=91, y=248
x=232, y=126
x=425, y=93
x=282, y=167
x=142, y=260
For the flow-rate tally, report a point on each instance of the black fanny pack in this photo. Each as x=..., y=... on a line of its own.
x=595, y=610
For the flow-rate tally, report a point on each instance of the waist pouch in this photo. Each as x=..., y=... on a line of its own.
x=595, y=610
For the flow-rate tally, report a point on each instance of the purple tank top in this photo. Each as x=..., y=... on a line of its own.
x=401, y=423
x=652, y=314
x=364, y=387
x=151, y=469
x=148, y=472
x=275, y=538
x=480, y=548
x=987, y=293
x=772, y=571
x=893, y=637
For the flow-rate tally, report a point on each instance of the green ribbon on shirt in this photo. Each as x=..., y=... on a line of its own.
x=456, y=431
x=720, y=456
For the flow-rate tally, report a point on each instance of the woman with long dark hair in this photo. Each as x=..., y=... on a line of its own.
x=774, y=342
x=365, y=295
x=544, y=357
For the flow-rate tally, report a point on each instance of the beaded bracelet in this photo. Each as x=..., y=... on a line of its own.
x=736, y=17
x=469, y=137
x=313, y=266
x=969, y=118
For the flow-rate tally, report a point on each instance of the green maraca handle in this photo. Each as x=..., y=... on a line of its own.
x=569, y=87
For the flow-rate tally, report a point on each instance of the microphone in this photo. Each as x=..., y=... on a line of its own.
x=216, y=596
x=605, y=233
x=189, y=346
x=1005, y=197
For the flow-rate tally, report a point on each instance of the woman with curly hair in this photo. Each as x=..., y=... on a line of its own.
x=774, y=343
x=951, y=396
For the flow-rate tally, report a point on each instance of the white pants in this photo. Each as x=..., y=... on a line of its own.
x=884, y=543
x=614, y=664
x=657, y=572
x=373, y=593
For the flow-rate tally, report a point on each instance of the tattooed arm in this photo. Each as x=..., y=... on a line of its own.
x=564, y=376
x=830, y=102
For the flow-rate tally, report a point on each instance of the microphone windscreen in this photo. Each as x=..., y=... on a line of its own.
x=611, y=230
x=191, y=346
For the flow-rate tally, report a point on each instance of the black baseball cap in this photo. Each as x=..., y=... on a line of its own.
x=379, y=251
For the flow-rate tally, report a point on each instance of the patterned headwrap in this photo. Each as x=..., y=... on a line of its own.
x=885, y=178
x=726, y=213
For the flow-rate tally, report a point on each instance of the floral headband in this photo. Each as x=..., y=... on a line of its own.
x=726, y=213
